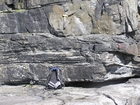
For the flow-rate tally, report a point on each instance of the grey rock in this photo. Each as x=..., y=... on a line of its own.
x=101, y=94
x=28, y=57
x=61, y=33
x=136, y=58
x=68, y=18
x=31, y=21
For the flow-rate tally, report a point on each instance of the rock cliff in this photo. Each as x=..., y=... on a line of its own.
x=90, y=40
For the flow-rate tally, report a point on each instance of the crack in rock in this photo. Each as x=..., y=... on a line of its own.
x=108, y=96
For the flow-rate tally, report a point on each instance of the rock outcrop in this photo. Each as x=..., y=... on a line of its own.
x=66, y=18
x=90, y=40
x=116, y=94
x=95, y=58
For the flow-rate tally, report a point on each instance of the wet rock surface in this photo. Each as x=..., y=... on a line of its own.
x=93, y=94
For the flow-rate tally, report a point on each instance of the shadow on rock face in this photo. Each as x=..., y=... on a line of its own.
x=97, y=84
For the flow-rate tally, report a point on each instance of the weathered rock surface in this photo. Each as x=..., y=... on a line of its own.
x=28, y=57
x=66, y=17
x=90, y=40
x=115, y=94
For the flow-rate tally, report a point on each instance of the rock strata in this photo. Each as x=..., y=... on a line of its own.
x=90, y=40
x=28, y=57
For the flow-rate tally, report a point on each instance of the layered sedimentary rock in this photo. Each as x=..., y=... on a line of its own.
x=89, y=40
x=26, y=57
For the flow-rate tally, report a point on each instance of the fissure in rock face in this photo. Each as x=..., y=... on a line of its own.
x=90, y=40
